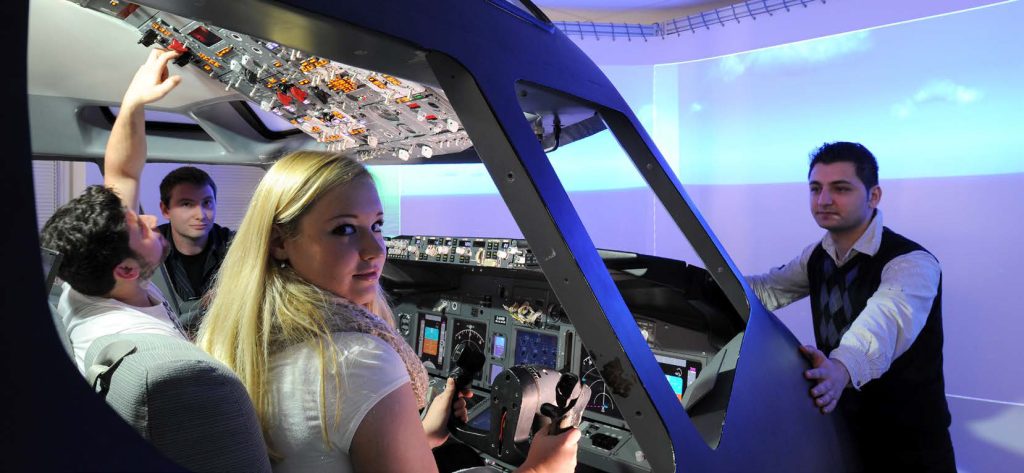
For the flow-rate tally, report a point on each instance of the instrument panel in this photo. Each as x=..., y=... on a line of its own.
x=489, y=297
x=484, y=252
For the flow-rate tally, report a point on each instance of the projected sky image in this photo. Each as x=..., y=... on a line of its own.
x=933, y=97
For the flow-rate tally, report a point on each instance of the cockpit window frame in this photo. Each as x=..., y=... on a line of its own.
x=534, y=14
x=249, y=115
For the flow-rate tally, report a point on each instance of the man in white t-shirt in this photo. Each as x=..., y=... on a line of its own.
x=109, y=254
x=110, y=251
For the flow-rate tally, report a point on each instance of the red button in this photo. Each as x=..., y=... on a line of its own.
x=284, y=98
x=177, y=46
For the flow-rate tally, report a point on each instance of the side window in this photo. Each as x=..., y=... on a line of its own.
x=56, y=182
x=657, y=259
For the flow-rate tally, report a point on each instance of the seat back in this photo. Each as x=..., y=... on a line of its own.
x=189, y=406
x=51, y=265
x=62, y=332
x=723, y=361
x=162, y=280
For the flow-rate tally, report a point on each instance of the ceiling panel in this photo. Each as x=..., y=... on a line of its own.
x=622, y=11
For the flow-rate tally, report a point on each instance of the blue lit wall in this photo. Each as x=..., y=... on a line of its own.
x=936, y=96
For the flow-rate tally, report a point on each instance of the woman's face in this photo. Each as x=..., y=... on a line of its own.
x=339, y=246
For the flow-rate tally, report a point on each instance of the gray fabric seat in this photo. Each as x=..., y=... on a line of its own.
x=51, y=266
x=723, y=361
x=189, y=406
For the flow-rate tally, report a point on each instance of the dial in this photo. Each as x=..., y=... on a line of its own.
x=472, y=333
x=600, y=399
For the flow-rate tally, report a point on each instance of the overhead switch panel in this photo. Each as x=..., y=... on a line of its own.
x=365, y=114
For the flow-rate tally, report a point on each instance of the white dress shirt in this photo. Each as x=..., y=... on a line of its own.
x=893, y=316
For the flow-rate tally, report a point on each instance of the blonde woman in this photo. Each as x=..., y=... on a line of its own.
x=299, y=315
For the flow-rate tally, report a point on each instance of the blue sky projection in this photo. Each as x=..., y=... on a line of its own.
x=933, y=97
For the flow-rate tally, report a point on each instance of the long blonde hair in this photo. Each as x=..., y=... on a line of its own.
x=256, y=305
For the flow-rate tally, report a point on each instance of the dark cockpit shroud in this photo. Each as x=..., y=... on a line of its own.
x=658, y=341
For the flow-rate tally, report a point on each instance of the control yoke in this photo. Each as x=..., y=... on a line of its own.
x=519, y=396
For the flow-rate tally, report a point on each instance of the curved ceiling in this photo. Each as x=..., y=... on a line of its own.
x=621, y=11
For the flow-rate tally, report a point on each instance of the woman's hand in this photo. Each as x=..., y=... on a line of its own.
x=448, y=403
x=552, y=453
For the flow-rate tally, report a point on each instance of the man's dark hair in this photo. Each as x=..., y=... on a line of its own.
x=847, y=152
x=184, y=175
x=91, y=234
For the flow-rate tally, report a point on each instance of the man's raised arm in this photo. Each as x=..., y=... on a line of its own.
x=126, y=149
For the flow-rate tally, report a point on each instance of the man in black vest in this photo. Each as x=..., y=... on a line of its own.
x=876, y=302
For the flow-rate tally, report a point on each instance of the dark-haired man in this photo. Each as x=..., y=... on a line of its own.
x=109, y=254
x=110, y=251
x=188, y=200
x=188, y=196
x=876, y=302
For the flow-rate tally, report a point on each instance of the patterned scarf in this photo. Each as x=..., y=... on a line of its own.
x=348, y=317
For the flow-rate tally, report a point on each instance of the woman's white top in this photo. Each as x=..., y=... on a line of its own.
x=369, y=369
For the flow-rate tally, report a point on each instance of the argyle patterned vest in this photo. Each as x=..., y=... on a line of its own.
x=911, y=394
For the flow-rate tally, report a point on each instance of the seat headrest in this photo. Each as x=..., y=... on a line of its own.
x=188, y=405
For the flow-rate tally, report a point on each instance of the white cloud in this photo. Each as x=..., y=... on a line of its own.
x=946, y=91
x=732, y=67
x=696, y=107
x=942, y=90
x=804, y=52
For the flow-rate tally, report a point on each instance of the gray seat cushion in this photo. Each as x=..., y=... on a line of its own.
x=189, y=406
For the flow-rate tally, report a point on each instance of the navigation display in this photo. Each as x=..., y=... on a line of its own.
x=534, y=348
x=600, y=399
x=431, y=339
x=679, y=373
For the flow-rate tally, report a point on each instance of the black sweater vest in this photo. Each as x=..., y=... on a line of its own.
x=910, y=396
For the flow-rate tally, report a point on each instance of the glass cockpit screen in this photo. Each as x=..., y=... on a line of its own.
x=600, y=399
x=496, y=369
x=679, y=373
x=431, y=341
x=498, y=348
x=534, y=348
